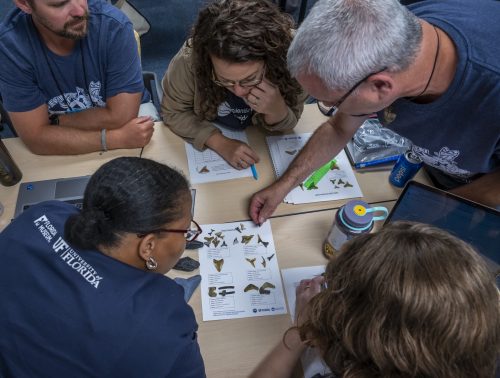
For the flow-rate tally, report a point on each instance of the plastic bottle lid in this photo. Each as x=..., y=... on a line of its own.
x=356, y=214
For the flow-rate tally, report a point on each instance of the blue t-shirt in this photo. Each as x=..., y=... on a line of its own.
x=66, y=312
x=459, y=133
x=103, y=64
x=234, y=112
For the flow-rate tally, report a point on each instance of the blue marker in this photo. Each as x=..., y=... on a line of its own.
x=371, y=163
x=254, y=172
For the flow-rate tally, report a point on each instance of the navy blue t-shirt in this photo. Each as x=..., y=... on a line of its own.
x=66, y=312
x=459, y=133
x=103, y=64
x=234, y=112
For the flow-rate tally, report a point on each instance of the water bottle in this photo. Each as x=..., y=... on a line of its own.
x=9, y=171
x=354, y=218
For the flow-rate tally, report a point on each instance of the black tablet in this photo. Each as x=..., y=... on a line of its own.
x=472, y=222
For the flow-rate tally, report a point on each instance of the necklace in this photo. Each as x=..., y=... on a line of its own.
x=389, y=115
x=433, y=66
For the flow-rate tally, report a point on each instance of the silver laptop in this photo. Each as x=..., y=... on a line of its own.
x=64, y=189
x=69, y=190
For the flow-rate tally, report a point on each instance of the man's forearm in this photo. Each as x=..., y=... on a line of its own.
x=485, y=190
x=326, y=143
x=67, y=141
x=118, y=111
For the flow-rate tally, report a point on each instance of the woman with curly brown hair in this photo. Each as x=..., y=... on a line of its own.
x=232, y=71
x=408, y=301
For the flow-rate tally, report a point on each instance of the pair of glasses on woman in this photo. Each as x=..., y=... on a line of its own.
x=331, y=110
x=245, y=83
x=190, y=233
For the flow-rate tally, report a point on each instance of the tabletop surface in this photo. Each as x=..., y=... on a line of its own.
x=231, y=348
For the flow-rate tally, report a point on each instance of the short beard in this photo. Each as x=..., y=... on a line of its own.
x=66, y=32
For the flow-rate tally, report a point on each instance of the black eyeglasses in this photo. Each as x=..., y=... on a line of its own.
x=242, y=83
x=330, y=110
x=190, y=234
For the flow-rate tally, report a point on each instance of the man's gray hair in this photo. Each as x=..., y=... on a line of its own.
x=342, y=41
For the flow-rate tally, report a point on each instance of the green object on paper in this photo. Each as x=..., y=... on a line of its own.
x=318, y=174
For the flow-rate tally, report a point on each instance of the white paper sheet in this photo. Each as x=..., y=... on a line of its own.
x=209, y=166
x=312, y=363
x=338, y=183
x=240, y=272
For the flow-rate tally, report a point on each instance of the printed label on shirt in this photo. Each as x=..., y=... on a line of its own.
x=443, y=160
x=66, y=253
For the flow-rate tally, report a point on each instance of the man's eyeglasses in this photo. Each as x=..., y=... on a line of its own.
x=190, y=234
x=245, y=83
x=330, y=110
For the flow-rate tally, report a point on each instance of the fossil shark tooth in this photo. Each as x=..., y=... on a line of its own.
x=245, y=239
x=265, y=286
x=218, y=264
x=250, y=287
x=251, y=261
x=235, y=241
x=259, y=240
x=270, y=257
x=347, y=185
x=263, y=262
x=211, y=292
x=216, y=242
x=204, y=170
x=224, y=244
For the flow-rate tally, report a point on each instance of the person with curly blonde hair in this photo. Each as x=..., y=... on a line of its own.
x=409, y=301
x=232, y=71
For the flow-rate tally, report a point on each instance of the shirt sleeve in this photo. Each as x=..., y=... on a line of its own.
x=178, y=102
x=123, y=71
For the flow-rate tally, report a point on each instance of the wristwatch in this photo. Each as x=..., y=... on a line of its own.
x=54, y=119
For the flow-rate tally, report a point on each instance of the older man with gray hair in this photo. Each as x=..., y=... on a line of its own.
x=431, y=72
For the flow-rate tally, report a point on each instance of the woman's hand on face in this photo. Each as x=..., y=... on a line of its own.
x=266, y=99
x=238, y=154
x=306, y=290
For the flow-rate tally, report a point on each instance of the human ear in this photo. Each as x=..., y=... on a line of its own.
x=24, y=6
x=147, y=246
x=381, y=86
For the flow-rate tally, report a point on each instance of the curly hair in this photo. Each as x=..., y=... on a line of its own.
x=241, y=31
x=408, y=301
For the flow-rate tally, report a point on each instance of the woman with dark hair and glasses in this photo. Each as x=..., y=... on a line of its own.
x=84, y=292
x=232, y=71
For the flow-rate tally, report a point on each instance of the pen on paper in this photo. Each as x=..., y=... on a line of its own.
x=254, y=172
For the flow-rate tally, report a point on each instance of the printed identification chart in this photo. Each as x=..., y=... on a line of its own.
x=239, y=270
x=209, y=166
x=339, y=183
x=312, y=363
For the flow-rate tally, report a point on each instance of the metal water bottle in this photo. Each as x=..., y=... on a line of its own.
x=352, y=219
x=9, y=171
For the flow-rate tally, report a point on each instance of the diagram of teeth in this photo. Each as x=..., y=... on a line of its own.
x=337, y=187
x=259, y=240
x=238, y=229
x=245, y=239
x=207, y=244
x=333, y=181
x=218, y=264
x=224, y=244
x=211, y=292
x=211, y=232
x=270, y=257
x=291, y=152
x=209, y=238
x=251, y=261
x=216, y=242
x=347, y=185
x=219, y=235
x=264, y=288
x=235, y=241
x=263, y=262
x=250, y=287
x=340, y=182
x=204, y=170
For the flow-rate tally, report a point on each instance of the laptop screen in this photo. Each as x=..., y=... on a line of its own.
x=476, y=224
